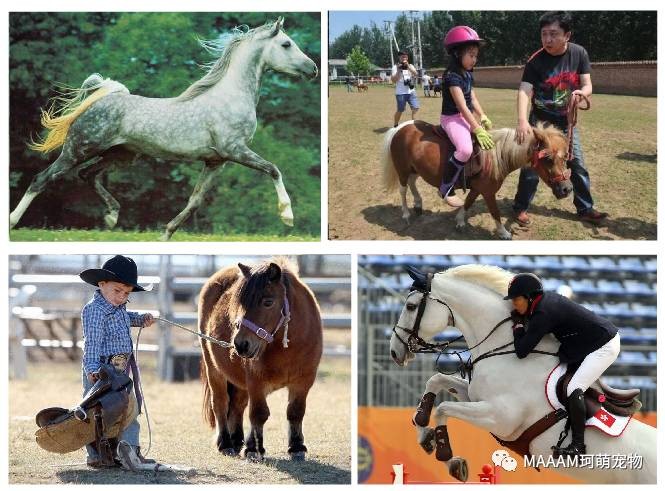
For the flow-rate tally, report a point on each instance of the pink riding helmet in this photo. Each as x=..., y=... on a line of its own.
x=461, y=35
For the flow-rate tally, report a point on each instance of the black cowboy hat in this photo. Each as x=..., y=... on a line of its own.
x=119, y=268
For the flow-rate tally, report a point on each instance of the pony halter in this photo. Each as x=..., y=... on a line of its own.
x=269, y=337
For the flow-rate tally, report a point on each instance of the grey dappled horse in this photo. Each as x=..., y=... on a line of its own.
x=212, y=121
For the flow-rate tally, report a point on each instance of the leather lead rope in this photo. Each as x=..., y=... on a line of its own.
x=571, y=115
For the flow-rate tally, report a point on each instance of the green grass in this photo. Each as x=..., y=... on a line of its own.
x=37, y=235
x=618, y=138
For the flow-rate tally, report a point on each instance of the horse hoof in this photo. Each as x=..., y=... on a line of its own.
x=460, y=226
x=458, y=468
x=111, y=220
x=254, y=456
x=418, y=210
x=507, y=236
x=229, y=452
x=288, y=221
x=298, y=456
x=427, y=441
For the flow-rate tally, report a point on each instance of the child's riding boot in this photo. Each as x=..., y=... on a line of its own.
x=451, y=173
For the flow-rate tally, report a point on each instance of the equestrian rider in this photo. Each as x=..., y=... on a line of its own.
x=107, y=339
x=459, y=106
x=586, y=339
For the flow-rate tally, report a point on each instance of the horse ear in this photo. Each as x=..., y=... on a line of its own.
x=416, y=275
x=245, y=270
x=277, y=26
x=274, y=272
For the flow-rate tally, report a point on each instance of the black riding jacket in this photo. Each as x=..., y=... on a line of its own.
x=579, y=330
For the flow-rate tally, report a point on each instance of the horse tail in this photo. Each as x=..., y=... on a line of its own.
x=208, y=413
x=390, y=176
x=69, y=105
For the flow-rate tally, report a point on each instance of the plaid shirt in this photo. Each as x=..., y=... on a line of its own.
x=105, y=330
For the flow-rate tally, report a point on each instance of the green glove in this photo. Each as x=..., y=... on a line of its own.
x=486, y=122
x=484, y=138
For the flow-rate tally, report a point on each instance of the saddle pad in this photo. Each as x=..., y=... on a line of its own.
x=610, y=424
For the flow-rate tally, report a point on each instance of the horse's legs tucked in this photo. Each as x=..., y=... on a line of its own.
x=208, y=173
x=295, y=412
x=237, y=405
x=258, y=415
x=244, y=156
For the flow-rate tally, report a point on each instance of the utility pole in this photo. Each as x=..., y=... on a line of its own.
x=388, y=25
x=420, y=49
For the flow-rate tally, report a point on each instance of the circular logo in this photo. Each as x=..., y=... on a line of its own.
x=365, y=459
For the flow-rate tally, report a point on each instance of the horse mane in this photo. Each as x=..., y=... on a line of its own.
x=251, y=289
x=491, y=277
x=223, y=48
x=507, y=154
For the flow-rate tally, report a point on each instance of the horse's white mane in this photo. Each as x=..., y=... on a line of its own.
x=222, y=47
x=491, y=277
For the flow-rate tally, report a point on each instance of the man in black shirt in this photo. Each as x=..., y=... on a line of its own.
x=555, y=73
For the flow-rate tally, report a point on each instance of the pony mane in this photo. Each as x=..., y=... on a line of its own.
x=223, y=48
x=251, y=289
x=491, y=277
x=507, y=154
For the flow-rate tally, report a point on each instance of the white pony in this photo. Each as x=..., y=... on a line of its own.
x=505, y=395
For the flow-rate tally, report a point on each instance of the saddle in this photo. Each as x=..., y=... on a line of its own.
x=472, y=168
x=107, y=408
x=619, y=402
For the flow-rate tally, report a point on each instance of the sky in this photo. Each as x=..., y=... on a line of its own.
x=341, y=21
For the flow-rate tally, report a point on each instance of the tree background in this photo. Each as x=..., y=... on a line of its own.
x=512, y=36
x=157, y=55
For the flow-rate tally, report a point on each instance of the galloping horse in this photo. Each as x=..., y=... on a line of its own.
x=274, y=323
x=212, y=121
x=505, y=395
x=414, y=149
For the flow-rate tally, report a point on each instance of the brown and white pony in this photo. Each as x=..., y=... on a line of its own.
x=414, y=149
x=274, y=323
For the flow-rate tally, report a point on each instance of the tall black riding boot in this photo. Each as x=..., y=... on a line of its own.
x=577, y=415
x=451, y=173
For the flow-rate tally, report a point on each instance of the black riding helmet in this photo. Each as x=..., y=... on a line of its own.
x=524, y=285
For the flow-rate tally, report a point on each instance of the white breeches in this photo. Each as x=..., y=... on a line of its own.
x=594, y=365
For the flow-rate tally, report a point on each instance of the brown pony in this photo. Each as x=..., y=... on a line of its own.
x=362, y=87
x=274, y=323
x=414, y=149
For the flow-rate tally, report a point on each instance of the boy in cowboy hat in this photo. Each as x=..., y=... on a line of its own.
x=107, y=339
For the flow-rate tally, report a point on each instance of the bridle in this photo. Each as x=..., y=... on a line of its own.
x=264, y=334
x=415, y=344
x=537, y=162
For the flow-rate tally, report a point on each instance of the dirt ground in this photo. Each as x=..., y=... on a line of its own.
x=618, y=137
x=179, y=435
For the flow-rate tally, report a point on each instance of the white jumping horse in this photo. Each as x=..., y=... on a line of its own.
x=506, y=394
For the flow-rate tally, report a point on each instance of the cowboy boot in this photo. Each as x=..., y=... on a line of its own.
x=577, y=415
x=451, y=172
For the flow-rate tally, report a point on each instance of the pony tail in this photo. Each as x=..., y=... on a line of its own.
x=208, y=413
x=390, y=177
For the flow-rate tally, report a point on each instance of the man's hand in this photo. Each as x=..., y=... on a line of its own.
x=93, y=377
x=522, y=131
x=148, y=320
x=484, y=138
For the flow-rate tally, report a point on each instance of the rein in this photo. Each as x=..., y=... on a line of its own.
x=415, y=344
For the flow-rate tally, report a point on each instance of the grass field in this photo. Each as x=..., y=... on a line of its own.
x=618, y=138
x=38, y=235
x=180, y=436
